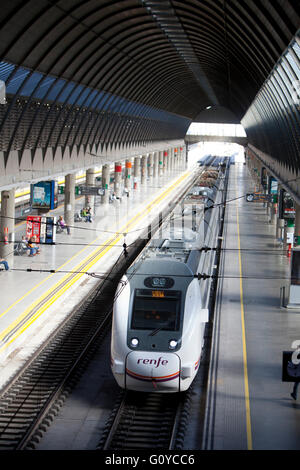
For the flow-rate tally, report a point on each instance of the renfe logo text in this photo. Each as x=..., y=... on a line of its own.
x=153, y=361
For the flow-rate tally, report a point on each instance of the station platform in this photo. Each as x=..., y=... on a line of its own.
x=33, y=304
x=248, y=405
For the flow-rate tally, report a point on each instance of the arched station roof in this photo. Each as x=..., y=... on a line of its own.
x=81, y=72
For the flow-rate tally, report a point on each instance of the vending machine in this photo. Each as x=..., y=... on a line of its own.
x=50, y=235
x=36, y=226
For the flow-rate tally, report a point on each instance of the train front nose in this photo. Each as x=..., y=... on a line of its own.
x=152, y=372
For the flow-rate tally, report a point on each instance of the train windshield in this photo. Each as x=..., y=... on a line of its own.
x=156, y=310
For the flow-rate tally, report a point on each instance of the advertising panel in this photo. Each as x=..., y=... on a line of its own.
x=295, y=267
x=273, y=185
x=42, y=195
x=288, y=207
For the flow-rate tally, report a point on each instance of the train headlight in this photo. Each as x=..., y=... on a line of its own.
x=134, y=342
x=172, y=344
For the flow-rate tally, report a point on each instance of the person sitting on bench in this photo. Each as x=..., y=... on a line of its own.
x=5, y=263
x=34, y=249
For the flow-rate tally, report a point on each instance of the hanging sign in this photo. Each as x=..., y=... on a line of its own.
x=91, y=191
x=259, y=197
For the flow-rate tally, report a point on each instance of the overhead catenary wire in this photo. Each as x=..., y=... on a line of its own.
x=203, y=248
x=199, y=276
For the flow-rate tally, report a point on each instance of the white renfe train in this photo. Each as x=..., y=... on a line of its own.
x=159, y=316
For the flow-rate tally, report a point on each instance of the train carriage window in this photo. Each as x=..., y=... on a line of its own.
x=161, y=312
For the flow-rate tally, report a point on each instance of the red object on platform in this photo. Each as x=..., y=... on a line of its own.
x=118, y=168
x=33, y=227
x=5, y=235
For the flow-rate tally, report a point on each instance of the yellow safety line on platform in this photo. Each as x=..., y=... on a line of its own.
x=48, y=277
x=110, y=242
x=246, y=381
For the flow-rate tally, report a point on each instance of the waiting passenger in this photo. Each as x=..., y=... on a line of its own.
x=112, y=197
x=23, y=247
x=88, y=215
x=5, y=263
x=77, y=217
x=62, y=224
x=295, y=390
x=24, y=242
x=34, y=249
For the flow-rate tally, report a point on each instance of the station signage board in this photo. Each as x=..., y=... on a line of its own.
x=91, y=191
x=259, y=197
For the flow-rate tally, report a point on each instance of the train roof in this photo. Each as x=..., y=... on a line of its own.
x=161, y=267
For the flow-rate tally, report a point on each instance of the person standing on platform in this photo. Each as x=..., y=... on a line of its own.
x=294, y=371
x=295, y=391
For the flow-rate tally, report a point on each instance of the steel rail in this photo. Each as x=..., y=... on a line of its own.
x=34, y=393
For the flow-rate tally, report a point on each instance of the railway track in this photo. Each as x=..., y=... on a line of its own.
x=147, y=421
x=30, y=402
x=142, y=421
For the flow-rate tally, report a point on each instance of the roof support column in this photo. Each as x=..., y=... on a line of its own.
x=271, y=210
x=90, y=181
x=118, y=179
x=272, y=213
x=166, y=161
x=160, y=163
x=171, y=157
x=180, y=158
x=280, y=222
x=185, y=156
x=105, y=180
x=136, y=171
x=155, y=165
x=183, y=151
x=176, y=158
x=7, y=224
x=150, y=166
x=143, y=169
x=69, y=204
x=297, y=225
x=128, y=169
